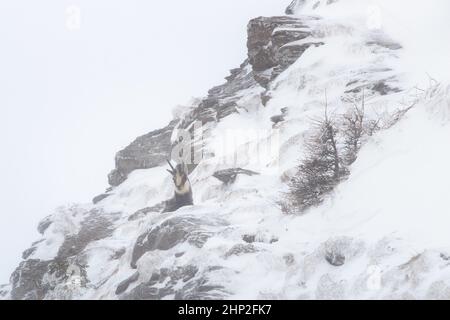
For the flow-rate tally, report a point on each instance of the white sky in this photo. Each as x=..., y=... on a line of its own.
x=70, y=99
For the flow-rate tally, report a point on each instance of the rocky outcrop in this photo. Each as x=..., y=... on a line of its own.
x=100, y=197
x=4, y=290
x=143, y=212
x=147, y=151
x=180, y=283
x=154, y=148
x=222, y=100
x=228, y=176
x=28, y=252
x=44, y=224
x=27, y=280
x=171, y=236
x=272, y=46
x=279, y=117
x=35, y=278
x=296, y=6
x=95, y=226
x=170, y=233
x=123, y=286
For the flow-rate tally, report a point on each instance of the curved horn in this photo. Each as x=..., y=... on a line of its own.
x=173, y=169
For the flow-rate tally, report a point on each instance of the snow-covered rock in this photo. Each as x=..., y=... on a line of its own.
x=147, y=151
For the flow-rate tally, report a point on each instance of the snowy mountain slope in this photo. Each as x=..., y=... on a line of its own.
x=380, y=235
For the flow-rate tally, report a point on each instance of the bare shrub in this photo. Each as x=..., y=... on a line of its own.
x=334, y=146
x=356, y=129
x=331, y=149
x=321, y=169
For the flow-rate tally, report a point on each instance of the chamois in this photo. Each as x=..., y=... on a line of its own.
x=183, y=191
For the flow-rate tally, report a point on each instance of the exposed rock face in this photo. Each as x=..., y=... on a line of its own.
x=180, y=283
x=279, y=117
x=44, y=224
x=294, y=6
x=27, y=280
x=222, y=100
x=123, y=286
x=271, y=47
x=95, y=227
x=154, y=148
x=28, y=252
x=170, y=233
x=147, y=151
x=335, y=259
x=170, y=237
x=35, y=278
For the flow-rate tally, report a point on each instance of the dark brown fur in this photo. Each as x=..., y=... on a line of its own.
x=183, y=191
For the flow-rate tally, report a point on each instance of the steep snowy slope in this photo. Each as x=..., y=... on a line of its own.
x=381, y=234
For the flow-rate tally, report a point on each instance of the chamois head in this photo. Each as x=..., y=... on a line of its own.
x=180, y=177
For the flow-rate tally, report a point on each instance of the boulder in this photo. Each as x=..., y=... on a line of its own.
x=335, y=258
x=338, y=250
x=169, y=233
x=221, y=100
x=228, y=176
